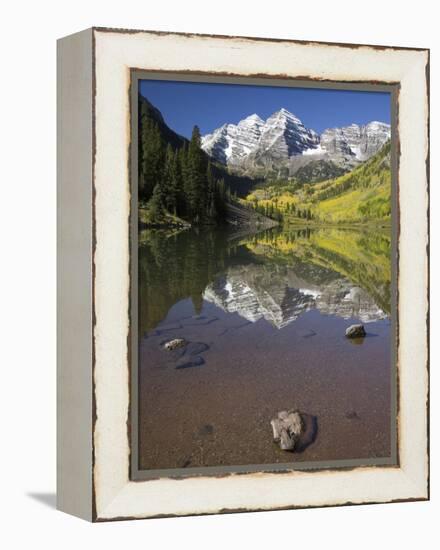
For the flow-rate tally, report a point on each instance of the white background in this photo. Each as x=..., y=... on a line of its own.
x=27, y=300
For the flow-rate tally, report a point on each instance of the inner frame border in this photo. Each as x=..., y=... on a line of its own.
x=137, y=474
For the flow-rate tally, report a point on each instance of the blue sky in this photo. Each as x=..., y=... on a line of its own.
x=184, y=104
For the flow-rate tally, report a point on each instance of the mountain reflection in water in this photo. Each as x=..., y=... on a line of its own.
x=276, y=274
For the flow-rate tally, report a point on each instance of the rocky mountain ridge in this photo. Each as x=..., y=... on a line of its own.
x=282, y=144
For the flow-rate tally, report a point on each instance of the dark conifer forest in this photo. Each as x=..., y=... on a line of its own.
x=176, y=176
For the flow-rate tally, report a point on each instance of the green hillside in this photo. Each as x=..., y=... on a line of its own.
x=318, y=170
x=360, y=196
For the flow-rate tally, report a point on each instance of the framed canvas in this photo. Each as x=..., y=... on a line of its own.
x=243, y=297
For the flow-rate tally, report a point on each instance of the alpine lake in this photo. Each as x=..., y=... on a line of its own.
x=263, y=316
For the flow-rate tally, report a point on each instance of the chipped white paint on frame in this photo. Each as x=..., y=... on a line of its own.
x=116, y=495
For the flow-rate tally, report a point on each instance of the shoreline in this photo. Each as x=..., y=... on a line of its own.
x=349, y=225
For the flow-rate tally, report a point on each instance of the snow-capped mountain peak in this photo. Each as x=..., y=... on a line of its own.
x=359, y=141
x=252, y=119
x=285, y=115
x=232, y=142
x=282, y=136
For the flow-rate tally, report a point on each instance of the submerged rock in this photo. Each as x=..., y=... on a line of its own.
x=174, y=344
x=200, y=320
x=355, y=331
x=166, y=327
x=191, y=362
x=194, y=348
x=287, y=428
x=306, y=333
x=207, y=429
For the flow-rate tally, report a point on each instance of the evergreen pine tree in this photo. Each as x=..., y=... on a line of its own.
x=195, y=188
x=210, y=194
x=177, y=186
x=183, y=174
x=168, y=181
x=151, y=157
x=155, y=205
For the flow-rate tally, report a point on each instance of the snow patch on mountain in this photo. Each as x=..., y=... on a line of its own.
x=318, y=150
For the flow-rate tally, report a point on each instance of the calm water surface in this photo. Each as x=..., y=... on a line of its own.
x=265, y=316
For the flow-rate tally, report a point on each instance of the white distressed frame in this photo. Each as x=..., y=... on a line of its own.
x=115, y=53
